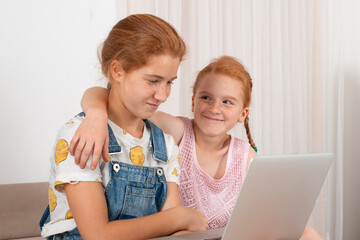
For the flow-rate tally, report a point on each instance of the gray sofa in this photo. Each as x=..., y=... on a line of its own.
x=21, y=207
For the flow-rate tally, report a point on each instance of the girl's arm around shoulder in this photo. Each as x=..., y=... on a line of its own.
x=92, y=134
x=251, y=155
x=95, y=98
x=169, y=124
x=92, y=221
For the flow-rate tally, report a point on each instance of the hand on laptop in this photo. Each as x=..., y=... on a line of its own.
x=192, y=225
x=310, y=234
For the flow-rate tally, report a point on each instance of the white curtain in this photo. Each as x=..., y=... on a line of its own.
x=293, y=51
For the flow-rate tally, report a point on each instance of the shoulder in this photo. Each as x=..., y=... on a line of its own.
x=63, y=139
x=64, y=168
x=187, y=125
x=171, y=144
x=239, y=143
x=186, y=121
x=68, y=129
x=172, y=168
x=245, y=147
x=188, y=137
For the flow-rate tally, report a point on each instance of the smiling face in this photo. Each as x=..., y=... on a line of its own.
x=140, y=92
x=218, y=104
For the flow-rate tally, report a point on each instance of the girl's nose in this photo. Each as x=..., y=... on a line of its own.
x=215, y=107
x=162, y=93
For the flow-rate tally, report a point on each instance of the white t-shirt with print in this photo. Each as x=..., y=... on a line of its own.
x=64, y=170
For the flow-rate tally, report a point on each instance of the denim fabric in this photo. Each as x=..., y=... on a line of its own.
x=45, y=218
x=157, y=140
x=133, y=191
x=69, y=235
x=136, y=191
x=114, y=147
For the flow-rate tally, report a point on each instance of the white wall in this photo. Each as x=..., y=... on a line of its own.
x=351, y=120
x=47, y=59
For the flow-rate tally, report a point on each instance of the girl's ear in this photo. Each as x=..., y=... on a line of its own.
x=116, y=70
x=243, y=115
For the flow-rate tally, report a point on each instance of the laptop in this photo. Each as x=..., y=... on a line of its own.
x=275, y=200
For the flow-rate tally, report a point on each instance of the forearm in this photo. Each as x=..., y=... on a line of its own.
x=160, y=224
x=169, y=124
x=172, y=197
x=163, y=223
x=91, y=217
x=95, y=99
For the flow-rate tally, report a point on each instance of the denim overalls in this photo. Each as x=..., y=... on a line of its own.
x=133, y=191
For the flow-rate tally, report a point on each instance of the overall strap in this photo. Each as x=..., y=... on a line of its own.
x=114, y=146
x=81, y=114
x=158, y=144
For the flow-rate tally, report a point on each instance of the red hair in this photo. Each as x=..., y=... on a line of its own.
x=137, y=38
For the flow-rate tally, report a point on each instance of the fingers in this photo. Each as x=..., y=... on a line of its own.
x=90, y=138
x=105, y=150
x=82, y=150
x=86, y=153
x=73, y=143
x=96, y=155
x=195, y=220
x=78, y=151
x=201, y=223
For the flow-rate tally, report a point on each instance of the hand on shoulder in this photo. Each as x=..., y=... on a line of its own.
x=90, y=137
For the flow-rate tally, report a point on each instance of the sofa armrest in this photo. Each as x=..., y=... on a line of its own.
x=21, y=207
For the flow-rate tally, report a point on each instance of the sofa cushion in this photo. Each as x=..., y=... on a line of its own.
x=21, y=207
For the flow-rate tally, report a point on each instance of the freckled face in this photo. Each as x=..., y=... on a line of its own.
x=218, y=104
x=144, y=89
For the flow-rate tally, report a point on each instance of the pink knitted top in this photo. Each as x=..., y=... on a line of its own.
x=213, y=197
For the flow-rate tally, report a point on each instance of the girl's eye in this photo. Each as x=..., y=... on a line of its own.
x=227, y=102
x=205, y=98
x=170, y=82
x=152, y=81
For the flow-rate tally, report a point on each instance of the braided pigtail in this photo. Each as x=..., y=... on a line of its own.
x=247, y=128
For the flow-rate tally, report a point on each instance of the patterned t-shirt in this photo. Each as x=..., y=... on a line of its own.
x=64, y=170
x=213, y=197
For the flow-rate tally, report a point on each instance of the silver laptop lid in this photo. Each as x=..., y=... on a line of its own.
x=277, y=196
